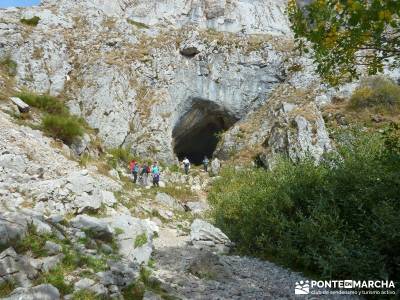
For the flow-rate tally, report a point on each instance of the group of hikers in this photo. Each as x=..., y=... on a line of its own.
x=141, y=172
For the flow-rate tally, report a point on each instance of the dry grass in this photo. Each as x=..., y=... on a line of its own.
x=7, y=81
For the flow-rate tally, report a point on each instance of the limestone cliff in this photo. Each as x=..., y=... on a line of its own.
x=156, y=75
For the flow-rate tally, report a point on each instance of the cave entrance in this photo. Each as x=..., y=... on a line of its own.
x=196, y=133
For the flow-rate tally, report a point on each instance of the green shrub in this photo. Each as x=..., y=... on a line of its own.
x=376, y=92
x=9, y=65
x=140, y=240
x=34, y=21
x=86, y=295
x=175, y=169
x=45, y=103
x=56, y=278
x=178, y=192
x=336, y=220
x=120, y=155
x=65, y=127
x=6, y=288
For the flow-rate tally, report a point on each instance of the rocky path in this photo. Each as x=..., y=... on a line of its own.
x=187, y=272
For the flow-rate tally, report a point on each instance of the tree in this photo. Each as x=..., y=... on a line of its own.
x=348, y=37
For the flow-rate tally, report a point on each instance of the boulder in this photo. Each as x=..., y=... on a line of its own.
x=108, y=198
x=191, y=46
x=148, y=295
x=13, y=226
x=99, y=228
x=47, y=264
x=168, y=201
x=52, y=248
x=81, y=145
x=90, y=285
x=16, y=268
x=197, y=207
x=205, y=235
x=121, y=274
x=83, y=284
x=215, y=167
x=131, y=229
x=22, y=106
x=40, y=292
x=87, y=203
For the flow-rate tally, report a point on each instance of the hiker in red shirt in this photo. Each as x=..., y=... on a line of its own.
x=134, y=168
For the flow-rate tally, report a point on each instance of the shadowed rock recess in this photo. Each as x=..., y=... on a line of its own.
x=196, y=133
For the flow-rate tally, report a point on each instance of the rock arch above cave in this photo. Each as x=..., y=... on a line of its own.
x=196, y=133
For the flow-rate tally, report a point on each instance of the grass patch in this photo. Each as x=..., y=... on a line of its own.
x=9, y=65
x=45, y=103
x=34, y=21
x=134, y=291
x=118, y=231
x=151, y=263
x=86, y=295
x=33, y=242
x=139, y=25
x=56, y=277
x=178, y=192
x=335, y=220
x=140, y=240
x=145, y=282
x=175, y=169
x=120, y=155
x=378, y=93
x=6, y=288
x=64, y=127
x=57, y=121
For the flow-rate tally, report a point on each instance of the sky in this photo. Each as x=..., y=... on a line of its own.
x=10, y=3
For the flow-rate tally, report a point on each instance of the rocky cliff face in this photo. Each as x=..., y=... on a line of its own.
x=138, y=71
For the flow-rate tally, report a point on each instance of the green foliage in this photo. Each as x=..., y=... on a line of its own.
x=337, y=30
x=45, y=103
x=85, y=295
x=178, y=192
x=33, y=242
x=56, y=278
x=64, y=127
x=392, y=139
x=9, y=65
x=336, y=220
x=120, y=155
x=57, y=122
x=175, y=169
x=34, y=21
x=140, y=240
x=151, y=263
x=376, y=92
x=118, y=231
x=138, y=24
x=134, y=291
x=6, y=288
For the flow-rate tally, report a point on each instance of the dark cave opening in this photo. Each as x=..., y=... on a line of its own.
x=196, y=133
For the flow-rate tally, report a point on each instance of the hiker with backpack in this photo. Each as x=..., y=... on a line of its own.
x=186, y=165
x=134, y=167
x=205, y=163
x=144, y=174
x=155, y=171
